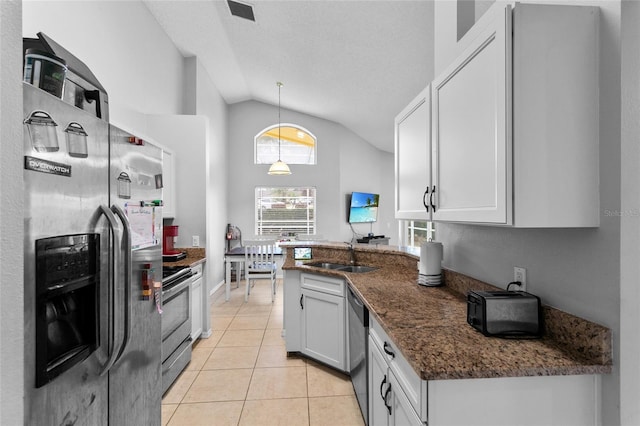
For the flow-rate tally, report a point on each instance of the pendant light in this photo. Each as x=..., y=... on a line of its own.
x=279, y=167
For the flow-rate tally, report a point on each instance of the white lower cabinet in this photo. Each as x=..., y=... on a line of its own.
x=378, y=380
x=402, y=413
x=525, y=401
x=323, y=328
x=322, y=308
x=292, y=301
x=388, y=403
x=196, y=303
x=397, y=396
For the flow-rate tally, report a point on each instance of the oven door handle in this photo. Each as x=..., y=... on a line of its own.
x=112, y=351
x=126, y=248
x=168, y=294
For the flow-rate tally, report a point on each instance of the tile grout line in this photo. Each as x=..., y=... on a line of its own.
x=272, y=316
x=253, y=370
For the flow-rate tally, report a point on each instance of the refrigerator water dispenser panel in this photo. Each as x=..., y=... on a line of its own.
x=67, y=314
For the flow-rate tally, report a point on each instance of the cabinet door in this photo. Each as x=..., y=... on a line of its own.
x=402, y=413
x=413, y=159
x=378, y=385
x=196, y=308
x=323, y=328
x=292, y=312
x=471, y=135
x=168, y=185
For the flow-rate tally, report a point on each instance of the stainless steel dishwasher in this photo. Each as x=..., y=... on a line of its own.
x=358, y=336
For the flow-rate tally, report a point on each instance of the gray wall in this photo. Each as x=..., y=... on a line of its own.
x=209, y=103
x=630, y=219
x=576, y=270
x=345, y=163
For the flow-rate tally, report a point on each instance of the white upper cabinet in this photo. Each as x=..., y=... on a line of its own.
x=168, y=181
x=515, y=121
x=413, y=159
x=470, y=135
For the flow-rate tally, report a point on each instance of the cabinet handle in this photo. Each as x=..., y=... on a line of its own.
x=381, y=386
x=387, y=349
x=424, y=199
x=301, y=305
x=386, y=395
x=433, y=206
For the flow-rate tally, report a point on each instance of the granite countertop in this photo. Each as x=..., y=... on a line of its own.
x=195, y=256
x=428, y=324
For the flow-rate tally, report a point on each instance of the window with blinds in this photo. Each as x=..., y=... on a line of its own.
x=285, y=211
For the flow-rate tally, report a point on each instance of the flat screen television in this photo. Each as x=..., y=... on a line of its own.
x=363, y=207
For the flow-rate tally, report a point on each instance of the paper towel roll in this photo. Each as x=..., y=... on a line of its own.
x=430, y=258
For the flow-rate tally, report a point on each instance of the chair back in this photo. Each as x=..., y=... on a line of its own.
x=259, y=254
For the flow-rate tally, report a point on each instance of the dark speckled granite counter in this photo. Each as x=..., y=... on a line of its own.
x=429, y=326
x=195, y=256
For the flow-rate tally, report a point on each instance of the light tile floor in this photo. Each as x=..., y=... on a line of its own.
x=241, y=375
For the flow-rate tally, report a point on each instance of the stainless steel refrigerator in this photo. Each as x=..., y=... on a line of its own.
x=93, y=256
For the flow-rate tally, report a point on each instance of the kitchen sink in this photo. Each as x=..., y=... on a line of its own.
x=357, y=268
x=327, y=265
x=343, y=268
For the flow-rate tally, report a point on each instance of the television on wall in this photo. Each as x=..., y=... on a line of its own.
x=363, y=207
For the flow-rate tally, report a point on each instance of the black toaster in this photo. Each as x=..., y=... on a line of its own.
x=514, y=314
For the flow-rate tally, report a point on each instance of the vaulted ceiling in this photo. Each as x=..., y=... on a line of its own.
x=357, y=63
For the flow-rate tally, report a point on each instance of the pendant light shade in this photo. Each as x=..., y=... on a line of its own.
x=279, y=168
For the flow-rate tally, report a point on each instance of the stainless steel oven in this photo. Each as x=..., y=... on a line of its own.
x=176, y=323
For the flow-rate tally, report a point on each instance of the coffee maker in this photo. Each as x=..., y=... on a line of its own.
x=169, y=253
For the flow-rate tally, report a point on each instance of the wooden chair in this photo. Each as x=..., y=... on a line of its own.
x=260, y=264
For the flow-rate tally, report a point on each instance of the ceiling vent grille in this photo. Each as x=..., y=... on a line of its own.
x=241, y=10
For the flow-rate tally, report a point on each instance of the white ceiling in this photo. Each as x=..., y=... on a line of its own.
x=357, y=63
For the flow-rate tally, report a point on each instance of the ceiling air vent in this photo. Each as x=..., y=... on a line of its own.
x=241, y=10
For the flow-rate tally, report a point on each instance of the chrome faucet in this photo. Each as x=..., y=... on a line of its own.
x=352, y=254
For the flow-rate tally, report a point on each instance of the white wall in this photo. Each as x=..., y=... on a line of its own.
x=123, y=45
x=364, y=168
x=210, y=104
x=186, y=136
x=630, y=220
x=11, y=217
x=576, y=270
x=345, y=163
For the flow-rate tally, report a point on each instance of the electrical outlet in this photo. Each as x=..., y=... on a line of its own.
x=520, y=274
x=195, y=241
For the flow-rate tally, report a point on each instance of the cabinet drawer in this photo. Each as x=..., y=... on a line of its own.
x=413, y=387
x=197, y=270
x=323, y=284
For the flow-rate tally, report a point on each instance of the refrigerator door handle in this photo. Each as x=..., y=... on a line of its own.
x=111, y=356
x=126, y=239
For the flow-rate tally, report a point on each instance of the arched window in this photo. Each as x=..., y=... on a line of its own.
x=297, y=145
